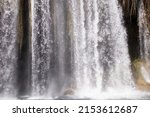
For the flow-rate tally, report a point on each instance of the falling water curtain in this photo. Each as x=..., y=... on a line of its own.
x=41, y=25
x=9, y=41
x=15, y=54
x=17, y=28
x=25, y=38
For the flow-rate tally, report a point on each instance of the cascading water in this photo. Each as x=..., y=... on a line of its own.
x=86, y=61
x=61, y=48
x=8, y=47
x=41, y=49
x=49, y=54
x=121, y=73
x=78, y=48
x=100, y=46
x=144, y=35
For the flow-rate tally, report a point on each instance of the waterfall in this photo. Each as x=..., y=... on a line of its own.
x=50, y=47
x=144, y=35
x=121, y=74
x=41, y=23
x=101, y=58
x=8, y=47
x=78, y=47
x=61, y=46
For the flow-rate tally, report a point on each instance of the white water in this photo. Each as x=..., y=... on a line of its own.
x=8, y=47
x=78, y=46
x=41, y=20
x=100, y=47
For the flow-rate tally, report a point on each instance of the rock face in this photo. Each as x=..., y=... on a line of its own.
x=144, y=36
x=69, y=92
x=141, y=71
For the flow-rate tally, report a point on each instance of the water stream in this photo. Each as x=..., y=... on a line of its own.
x=8, y=47
x=78, y=49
